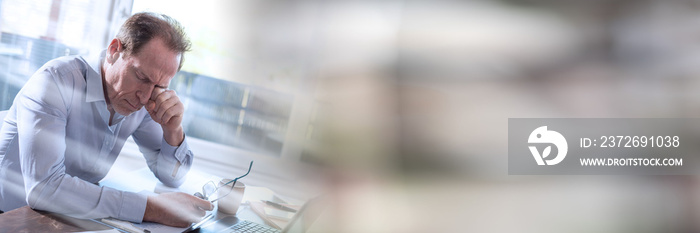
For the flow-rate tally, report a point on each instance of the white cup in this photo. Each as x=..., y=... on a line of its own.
x=230, y=199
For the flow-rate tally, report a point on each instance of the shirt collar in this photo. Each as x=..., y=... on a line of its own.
x=95, y=92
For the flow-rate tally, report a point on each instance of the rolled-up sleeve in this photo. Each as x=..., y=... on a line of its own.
x=168, y=163
x=42, y=108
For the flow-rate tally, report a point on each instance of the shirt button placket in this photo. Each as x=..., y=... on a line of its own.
x=107, y=145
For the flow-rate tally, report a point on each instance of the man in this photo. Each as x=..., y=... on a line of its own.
x=69, y=122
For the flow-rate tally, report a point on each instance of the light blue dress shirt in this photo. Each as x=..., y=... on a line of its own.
x=56, y=144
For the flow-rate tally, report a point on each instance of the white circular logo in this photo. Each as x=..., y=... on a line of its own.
x=542, y=135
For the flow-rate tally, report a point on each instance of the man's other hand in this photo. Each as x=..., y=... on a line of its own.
x=176, y=209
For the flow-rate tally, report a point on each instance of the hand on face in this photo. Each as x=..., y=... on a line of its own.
x=165, y=108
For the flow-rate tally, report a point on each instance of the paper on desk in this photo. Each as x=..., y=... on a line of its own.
x=273, y=212
x=158, y=228
x=140, y=227
x=255, y=193
x=259, y=208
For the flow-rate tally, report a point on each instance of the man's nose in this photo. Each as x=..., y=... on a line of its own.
x=145, y=95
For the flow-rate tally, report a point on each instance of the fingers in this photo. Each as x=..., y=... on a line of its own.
x=165, y=108
x=176, y=209
x=167, y=114
x=193, y=216
x=170, y=209
x=156, y=91
x=160, y=98
x=199, y=207
x=200, y=213
x=150, y=106
x=203, y=204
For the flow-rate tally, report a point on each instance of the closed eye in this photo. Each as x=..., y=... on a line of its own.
x=141, y=78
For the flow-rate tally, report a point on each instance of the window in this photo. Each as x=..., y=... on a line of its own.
x=33, y=32
x=244, y=80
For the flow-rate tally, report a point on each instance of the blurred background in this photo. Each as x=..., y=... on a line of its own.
x=405, y=104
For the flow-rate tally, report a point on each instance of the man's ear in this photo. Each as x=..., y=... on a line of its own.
x=114, y=50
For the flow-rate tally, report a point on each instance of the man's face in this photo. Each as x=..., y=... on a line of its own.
x=130, y=79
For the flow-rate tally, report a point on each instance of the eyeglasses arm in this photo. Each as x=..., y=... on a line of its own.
x=234, y=180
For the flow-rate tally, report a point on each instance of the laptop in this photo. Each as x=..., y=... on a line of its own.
x=231, y=224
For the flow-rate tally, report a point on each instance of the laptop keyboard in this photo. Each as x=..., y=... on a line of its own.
x=251, y=227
